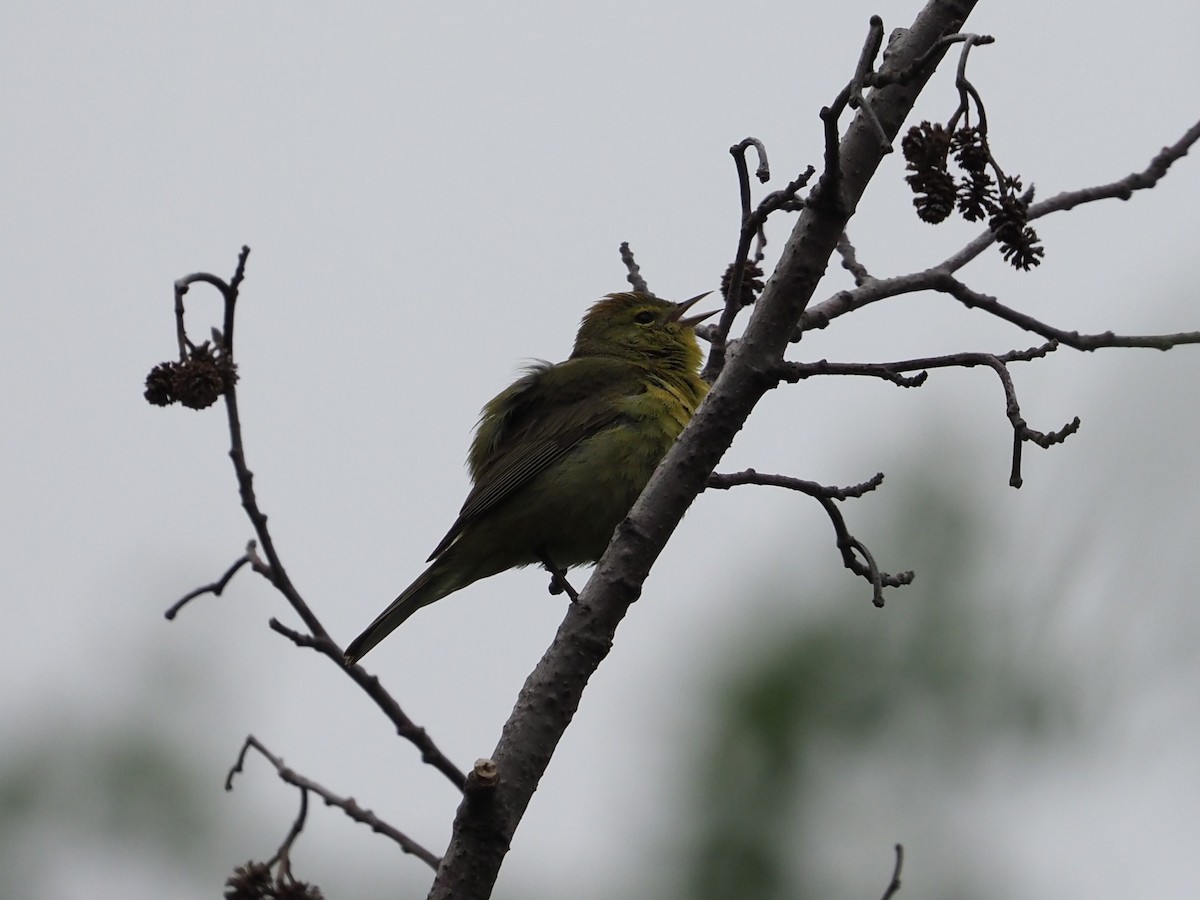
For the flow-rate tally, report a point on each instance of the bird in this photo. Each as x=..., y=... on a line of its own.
x=561, y=454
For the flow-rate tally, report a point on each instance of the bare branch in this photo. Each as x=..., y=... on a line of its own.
x=966, y=91
x=762, y=173
x=947, y=283
x=724, y=481
x=941, y=280
x=752, y=224
x=215, y=588
x=1122, y=189
x=345, y=804
x=850, y=261
x=245, y=478
x=634, y=276
x=793, y=372
x=272, y=568
x=829, y=188
x=846, y=542
x=934, y=54
x=894, y=887
x=405, y=727
x=552, y=692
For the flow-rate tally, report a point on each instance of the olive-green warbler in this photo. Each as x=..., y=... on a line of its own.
x=560, y=455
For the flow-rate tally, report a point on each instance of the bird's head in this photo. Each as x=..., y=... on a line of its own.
x=641, y=327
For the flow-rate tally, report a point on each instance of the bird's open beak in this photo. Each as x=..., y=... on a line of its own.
x=691, y=321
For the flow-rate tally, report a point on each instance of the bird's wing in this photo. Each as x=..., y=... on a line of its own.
x=537, y=420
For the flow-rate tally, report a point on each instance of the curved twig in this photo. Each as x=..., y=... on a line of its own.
x=345, y=804
x=272, y=568
x=894, y=886
x=891, y=371
x=826, y=496
x=215, y=588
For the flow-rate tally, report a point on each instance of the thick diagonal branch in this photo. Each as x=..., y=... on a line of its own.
x=553, y=690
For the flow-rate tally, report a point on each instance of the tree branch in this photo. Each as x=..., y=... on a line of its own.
x=1122, y=189
x=345, y=804
x=405, y=727
x=552, y=692
x=216, y=588
x=891, y=371
x=847, y=543
x=633, y=270
x=272, y=568
x=894, y=885
x=941, y=280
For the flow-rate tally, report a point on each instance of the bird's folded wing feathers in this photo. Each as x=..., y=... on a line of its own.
x=523, y=432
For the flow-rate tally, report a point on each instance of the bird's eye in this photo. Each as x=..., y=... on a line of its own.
x=645, y=317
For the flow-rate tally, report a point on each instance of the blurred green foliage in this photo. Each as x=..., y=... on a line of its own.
x=839, y=702
x=111, y=802
x=813, y=718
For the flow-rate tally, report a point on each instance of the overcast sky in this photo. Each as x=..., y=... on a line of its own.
x=434, y=194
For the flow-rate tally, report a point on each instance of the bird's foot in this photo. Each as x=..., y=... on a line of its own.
x=558, y=578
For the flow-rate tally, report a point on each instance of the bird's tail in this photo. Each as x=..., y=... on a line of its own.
x=433, y=584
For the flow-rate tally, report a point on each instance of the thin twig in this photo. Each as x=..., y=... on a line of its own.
x=283, y=855
x=753, y=222
x=828, y=193
x=1121, y=189
x=273, y=569
x=793, y=372
x=405, y=727
x=894, y=886
x=345, y=804
x=719, y=336
x=882, y=79
x=850, y=261
x=967, y=92
x=940, y=279
x=826, y=496
x=215, y=588
x=633, y=270
x=943, y=281
x=762, y=173
x=862, y=74
x=726, y=480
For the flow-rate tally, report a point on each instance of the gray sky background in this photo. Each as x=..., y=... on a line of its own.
x=434, y=194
